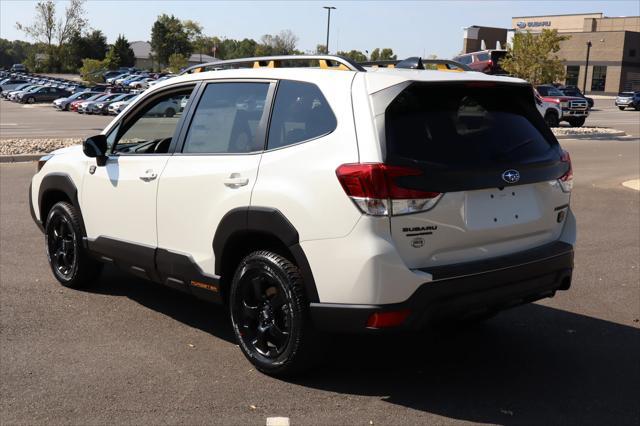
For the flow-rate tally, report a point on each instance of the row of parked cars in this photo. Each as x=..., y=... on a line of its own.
x=108, y=98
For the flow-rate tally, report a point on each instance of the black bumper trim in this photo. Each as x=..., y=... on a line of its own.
x=485, y=286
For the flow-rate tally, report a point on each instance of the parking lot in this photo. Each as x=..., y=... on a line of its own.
x=129, y=351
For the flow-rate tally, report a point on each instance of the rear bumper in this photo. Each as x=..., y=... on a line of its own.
x=464, y=290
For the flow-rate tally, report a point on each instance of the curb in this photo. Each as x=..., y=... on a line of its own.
x=20, y=158
x=592, y=135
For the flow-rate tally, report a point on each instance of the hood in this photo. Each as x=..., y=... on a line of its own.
x=67, y=150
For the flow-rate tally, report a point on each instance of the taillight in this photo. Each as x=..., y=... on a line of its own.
x=373, y=188
x=387, y=319
x=566, y=180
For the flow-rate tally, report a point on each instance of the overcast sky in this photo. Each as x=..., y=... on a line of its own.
x=410, y=28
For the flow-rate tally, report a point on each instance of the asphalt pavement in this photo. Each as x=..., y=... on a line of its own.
x=128, y=351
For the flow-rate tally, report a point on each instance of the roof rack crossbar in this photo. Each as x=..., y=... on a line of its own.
x=274, y=61
x=417, y=63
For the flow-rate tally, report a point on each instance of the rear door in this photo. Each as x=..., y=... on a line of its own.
x=491, y=164
x=214, y=171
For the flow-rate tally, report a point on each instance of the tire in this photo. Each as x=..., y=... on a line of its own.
x=31, y=100
x=576, y=122
x=70, y=263
x=551, y=118
x=170, y=112
x=270, y=315
x=621, y=108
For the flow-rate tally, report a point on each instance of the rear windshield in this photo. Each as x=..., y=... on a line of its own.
x=625, y=94
x=466, y=124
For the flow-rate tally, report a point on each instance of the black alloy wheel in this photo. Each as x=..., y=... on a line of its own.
x=269, y=314
x=62, y=246
x=70, y=263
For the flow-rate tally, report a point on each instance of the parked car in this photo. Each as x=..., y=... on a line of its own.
x=73, y=106
x=19, y=68
x=109, y=74
x=13, y=95
x=18, y=88
x=64, y=103
x=575, y=110
x=84, y=105
x=11, y=83
x=575, y=92
x=42, y=94
x=117, y=107
x=143, y=83
x=95, y=107
x=550, y=111
x=486, y=61
x=628, y=100
x=102, y=107
x=351, y=201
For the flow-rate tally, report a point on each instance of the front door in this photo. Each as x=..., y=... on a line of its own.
x=118, y=200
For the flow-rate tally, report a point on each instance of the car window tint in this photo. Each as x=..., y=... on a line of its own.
x=483, y=57
x=300, y=113
x=153, y=128
x=227, y=119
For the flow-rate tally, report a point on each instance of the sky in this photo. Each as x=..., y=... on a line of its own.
x=411, y=28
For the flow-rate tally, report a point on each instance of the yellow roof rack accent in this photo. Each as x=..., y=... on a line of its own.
x=329, y=62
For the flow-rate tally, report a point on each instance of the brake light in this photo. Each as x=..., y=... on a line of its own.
x=387, y=319
x=373, y=188
x=566, y=180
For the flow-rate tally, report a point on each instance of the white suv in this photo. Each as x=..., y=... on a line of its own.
x=319, y=199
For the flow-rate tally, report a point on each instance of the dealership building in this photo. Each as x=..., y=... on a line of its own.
x=612, y=45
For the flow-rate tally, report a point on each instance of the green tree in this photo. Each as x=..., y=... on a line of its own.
x=91, y=70
x=354, y=55
x=533, y=57
x=122, y=49
x=385, y=54
x=168, y=36
x=283, y=43
x=321, y=49
x=52, y=32
x=177, y=62
x=90, y=46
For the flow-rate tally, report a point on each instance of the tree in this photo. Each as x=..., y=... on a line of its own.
x=385, y=54
x=177, y=62
x=283, y=43
x=321, y=49
x=90, y=46
x=168, y=36
x=354, y=55
x=47, y=29
x=122, y=49
x=532, y=57
x=91, y=70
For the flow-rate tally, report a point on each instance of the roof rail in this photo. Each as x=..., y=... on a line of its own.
x=325, y=61
x=418, y=63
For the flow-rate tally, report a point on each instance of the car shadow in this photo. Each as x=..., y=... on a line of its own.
x=530, y=365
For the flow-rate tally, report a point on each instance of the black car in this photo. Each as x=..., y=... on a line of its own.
x=574, y=91
x=44, y=94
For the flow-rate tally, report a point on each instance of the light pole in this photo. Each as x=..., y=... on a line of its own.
x=586, y=68
x=328, y=23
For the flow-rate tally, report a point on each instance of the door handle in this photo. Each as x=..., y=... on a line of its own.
x=148, y=176
x=235, y=181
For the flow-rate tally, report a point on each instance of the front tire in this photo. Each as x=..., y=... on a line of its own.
x=551, y=119
x=621, y=108
x=31, y=100
x=576, y=122
x=70, y=263
x=270, y=315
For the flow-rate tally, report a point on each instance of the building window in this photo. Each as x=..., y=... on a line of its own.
x=572, y=75
x=598, y=78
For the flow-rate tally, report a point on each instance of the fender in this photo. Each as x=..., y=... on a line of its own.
x=268, y=221
x=59, y=182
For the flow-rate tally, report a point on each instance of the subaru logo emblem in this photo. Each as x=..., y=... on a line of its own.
x=521, y=24
x=511, y=176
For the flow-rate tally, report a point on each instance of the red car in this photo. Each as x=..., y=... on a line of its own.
x=73, y=106
x=486, y=61
x=575, y=110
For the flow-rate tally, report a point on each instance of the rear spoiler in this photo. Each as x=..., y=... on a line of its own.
x=417, y=63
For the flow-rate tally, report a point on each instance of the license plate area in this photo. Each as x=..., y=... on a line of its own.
x=496, y=208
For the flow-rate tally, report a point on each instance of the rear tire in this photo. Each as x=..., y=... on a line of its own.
x=576, y=122
x=170, y=112
x=552, y=119
x=270, y=315
x=70, y=263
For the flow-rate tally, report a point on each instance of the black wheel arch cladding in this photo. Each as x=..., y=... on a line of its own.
x=267, y=221
x=58, y=182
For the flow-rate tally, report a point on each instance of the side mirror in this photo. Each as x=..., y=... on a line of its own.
x=96, y=147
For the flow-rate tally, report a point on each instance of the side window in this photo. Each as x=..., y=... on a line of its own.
x=464, y=59
x=227, y=119
x=300, y=113
x=152, y=129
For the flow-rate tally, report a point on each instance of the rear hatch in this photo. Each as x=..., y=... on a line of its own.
x=497, y=179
